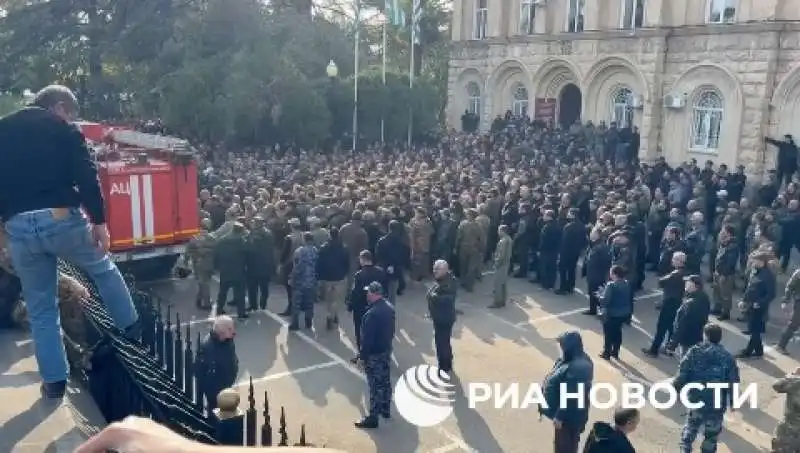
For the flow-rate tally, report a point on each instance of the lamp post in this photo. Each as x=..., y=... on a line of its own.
x=82, y=88
x=332, y=72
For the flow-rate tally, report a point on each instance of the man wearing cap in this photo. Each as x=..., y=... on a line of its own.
x=692, y=315
x=304, y=282
x=375, y=352
x=757, y=297
x=357, y=302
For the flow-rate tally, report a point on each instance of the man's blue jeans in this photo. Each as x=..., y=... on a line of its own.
x=35, y=240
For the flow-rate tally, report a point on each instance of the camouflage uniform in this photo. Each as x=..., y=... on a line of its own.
x=468, y=243
x=304, y=284
x=705, y=363
x=376, y=367
x=484, y=222
x=791, y=296
x=502, y=263
x=787, y=433
x=230, y=259
x=200, y=252
x=421, y=233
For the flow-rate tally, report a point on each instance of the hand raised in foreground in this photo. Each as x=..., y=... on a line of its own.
x=142, y=435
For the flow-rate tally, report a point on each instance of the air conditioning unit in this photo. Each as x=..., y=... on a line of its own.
x=539, y=2
x=637, y=101
x=673, y=101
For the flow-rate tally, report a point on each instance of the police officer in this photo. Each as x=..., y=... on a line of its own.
x=200, y=253
x=705, y=363
x=230, y=259
x=441, y=299
x=357, y=304
x=757, y=297
x=260, y=263
x=303, y=280
x=216, y=363
x=791, y=302
x=375, y=351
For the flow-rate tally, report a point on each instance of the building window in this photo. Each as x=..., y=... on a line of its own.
x=631, y=14
x=622, y=107
x=527, y=17
x=721, y=11
x=474, y=98
x=520, y=103
x=481, y=19
x=706, y=121
x=575, y=15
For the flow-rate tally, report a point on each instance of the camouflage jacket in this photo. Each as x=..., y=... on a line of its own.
x=792, y=293
x=705, y=363
x=421, y=234
x=200, y=251
x=304, y=270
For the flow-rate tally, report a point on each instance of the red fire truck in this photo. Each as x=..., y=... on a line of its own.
x=150, y=186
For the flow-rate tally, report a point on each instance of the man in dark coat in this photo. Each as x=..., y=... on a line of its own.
x=573, y=241
x=617, y=306
x=549, y=244
x=393, y=254
x=260, y=264
x=787, y=158
x=571, y=371
x=673, y=287
x=759, y=294
x=605, y=438
x=692, y=315
x=333, y=264
x=216, y=363
x=596, y=265
x=357, y=303
x=441, y=299
x=230, y=260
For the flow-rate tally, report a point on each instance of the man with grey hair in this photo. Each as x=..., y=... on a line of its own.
x=441, y=299
x=216, y=363
x=52, y=207
x=673, y=286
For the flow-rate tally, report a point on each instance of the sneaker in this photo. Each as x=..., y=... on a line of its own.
x=54, y=390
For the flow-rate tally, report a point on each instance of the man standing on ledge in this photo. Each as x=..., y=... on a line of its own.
x=46, y=175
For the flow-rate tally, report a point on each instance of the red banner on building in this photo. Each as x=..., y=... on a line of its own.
x=545, y=110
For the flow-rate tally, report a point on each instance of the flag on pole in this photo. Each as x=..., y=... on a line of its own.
x=394, y=13
x=416, y=16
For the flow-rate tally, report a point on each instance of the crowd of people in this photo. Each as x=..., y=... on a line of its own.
x=527, y=200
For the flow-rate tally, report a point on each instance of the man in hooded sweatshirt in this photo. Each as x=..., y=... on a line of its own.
x=572, y=373
x=606, y=438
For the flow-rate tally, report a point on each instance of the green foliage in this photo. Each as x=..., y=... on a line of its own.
x=246, y=72
x=9, y=103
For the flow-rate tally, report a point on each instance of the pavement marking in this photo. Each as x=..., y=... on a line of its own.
x=550, y=317
x=353, y=370
x=288, y=373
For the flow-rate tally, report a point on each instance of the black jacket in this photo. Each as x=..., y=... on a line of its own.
x=596, y=264
x=392, y=251
x=726, y=259
x=442, y=300
x=362, y=278
x=216, y=364
x=573, y=240
x=691, y=318
x=377, y=329
x=673, y=286
x=604, y=438
x=333, y=262
x=550, y=239
x=45, y=163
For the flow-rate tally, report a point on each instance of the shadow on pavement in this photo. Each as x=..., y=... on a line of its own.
x=10, y=351
x=19, y=426
x=474, y=429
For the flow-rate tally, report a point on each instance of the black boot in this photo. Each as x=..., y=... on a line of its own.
x=368, y=422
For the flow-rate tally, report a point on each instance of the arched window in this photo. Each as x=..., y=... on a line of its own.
x=474, y=98
x=519, y=106
x=622, y=107
x=707, y=111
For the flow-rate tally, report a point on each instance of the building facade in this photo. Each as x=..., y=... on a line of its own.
x=704, y=79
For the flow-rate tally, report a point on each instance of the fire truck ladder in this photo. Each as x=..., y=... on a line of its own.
x=149, y=141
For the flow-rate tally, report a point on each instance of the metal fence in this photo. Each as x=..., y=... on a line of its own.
x=156, y=377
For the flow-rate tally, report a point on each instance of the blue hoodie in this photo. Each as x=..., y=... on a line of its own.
x=573, y=368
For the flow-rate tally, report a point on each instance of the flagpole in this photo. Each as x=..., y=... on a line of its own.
x=411, y=73
x=355, y=73
x=383, y=72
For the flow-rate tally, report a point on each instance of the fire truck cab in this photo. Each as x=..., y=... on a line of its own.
x=150, y=185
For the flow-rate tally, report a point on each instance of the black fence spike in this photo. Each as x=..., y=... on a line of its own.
x=178, y=323
x=266, y=428
x=302, y=435
x=284, y=442
x=169, y=316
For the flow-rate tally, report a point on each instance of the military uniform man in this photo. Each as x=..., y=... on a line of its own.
x=200, y=253
x=291, y=243
x=791, y=301
x=502, y=264
x=320, y=234
x=230, y=259
x=375, y=352
x=485, y=223
x=355, y=239
x=260, y=263
x=787, y=433
x=304, y=282
x=421, y=234
x=468, y=249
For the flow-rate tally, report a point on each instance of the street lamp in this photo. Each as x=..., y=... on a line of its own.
x=82, y=81
x=332, y=70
